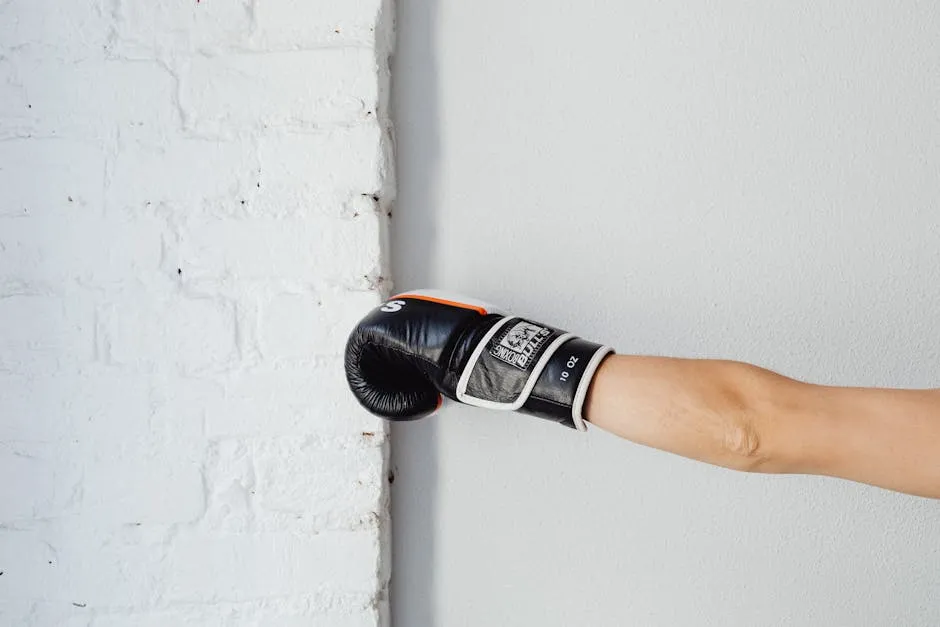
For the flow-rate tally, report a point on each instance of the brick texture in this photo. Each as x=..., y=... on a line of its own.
x=194, y=197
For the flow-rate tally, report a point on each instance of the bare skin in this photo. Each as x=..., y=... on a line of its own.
x=747, y=418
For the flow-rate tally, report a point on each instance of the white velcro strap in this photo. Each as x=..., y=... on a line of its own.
x=520, y=400
x=474, y=358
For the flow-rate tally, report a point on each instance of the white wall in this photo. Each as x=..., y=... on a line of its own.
x=187, y=234
x=758, y=181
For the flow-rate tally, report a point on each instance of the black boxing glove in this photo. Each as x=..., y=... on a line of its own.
x=416, y=348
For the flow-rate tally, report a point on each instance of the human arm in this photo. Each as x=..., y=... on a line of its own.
x=747, y=418
x=411, y=352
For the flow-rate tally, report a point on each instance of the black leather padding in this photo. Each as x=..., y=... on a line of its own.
x=554, y=393
x=400, y=359
x=386, y=382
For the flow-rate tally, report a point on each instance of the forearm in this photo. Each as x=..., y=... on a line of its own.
x=747, y=418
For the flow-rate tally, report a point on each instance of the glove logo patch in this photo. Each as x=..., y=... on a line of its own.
x=393, y=306
x=520, y=344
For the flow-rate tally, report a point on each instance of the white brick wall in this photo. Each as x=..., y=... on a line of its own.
x=193, y=199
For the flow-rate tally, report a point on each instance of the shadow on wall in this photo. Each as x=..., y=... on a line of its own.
x=413, y=238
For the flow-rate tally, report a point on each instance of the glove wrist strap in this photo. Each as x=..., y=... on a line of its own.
x=520, y=365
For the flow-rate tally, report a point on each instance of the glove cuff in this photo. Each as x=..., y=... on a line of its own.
x=562, y=388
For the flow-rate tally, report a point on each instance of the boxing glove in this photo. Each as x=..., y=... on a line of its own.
x=409, y=353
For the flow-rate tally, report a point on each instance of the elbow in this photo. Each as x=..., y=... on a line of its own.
x=745, y=447
x=746, y=409
x=760, y=409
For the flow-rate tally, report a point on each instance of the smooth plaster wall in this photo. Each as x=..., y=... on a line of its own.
x=756, y=181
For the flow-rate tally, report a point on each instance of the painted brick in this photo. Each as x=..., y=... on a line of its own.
x=69, y=168
x=292, y=612
x=48, y=409
x=311, y=171
x=79, y=28
x=182, y=172
x=329, y=317
x=63, y=98
x=72, y=563
x=33, y=249
x=349, y=480
x=14, y=105
x=252, y=485
x=44, y=481
x=146, y=29
x=255, y=566
x=303, y=249
x=302, y=400
x=297, y=23
x=191, y=334
x=39, y=614
x=44, y=333
x=190, y=224
x=304, y=89
x=231, y=487
x=144, y=482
